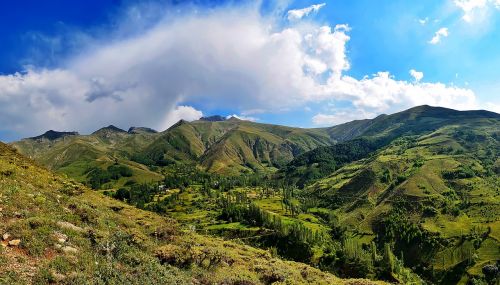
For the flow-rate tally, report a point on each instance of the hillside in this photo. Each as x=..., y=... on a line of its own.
x=77, y=155
x=54, y=230
x=217, y=145
x=360, y=138
x=233, y=146
x=436, y=196
x=405, y=197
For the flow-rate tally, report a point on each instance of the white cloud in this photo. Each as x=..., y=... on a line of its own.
x=423, y=21
x=476, y=10
x=186, y=113
x=495, y=107
x=240, y=117
x=297, y=14
x=227, y=57
x=441, y=33
x=470, y=7
x=417, y=75
x=340, y=116
x=383, y=93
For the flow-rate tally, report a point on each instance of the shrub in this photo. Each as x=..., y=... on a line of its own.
x=430, y=211
x=459, y=173
x=490, y=272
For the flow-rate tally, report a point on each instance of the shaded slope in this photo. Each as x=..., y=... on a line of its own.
x=414, y=120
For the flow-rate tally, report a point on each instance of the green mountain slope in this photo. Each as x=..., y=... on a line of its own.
x=225, y=146
x=76, y=154
x=55, y=231
x=233, y=146
x=413, y=192
x=435, y=196
x=360, y=138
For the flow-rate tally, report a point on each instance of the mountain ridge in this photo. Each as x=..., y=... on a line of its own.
x=233, y=146
x=53, y=135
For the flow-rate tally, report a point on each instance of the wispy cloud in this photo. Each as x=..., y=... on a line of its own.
x=340, y=116
x=473, y=9
x=441, y=33
x=417, y=75
x=423, y=21
x=241, y=117
x=297, y=14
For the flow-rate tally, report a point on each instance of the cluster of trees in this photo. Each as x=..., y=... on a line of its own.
x=289, y=202
x=459, y=173
x=322, y=161
x=184, y=175
x=138, y=194
x=355, y=259
x=97, y=177
x=285, y=232
x=292, y=239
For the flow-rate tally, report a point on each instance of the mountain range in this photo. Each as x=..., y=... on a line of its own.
x=418, y=188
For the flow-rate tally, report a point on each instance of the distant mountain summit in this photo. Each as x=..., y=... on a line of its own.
x=215, y=118
x=109, y=130
x=234, y=119
x=141, y=130
x=54, y=135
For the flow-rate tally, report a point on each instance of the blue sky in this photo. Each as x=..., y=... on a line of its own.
x=80, y=65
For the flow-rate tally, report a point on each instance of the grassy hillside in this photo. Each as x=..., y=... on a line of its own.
x=435, y=196
x=224, y=146
x=76, y=155
x=233, y=146
x=360, y=138
x=54, y=230
x=406, y=197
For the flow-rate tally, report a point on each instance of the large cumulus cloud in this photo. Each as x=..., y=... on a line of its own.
x=232, y=57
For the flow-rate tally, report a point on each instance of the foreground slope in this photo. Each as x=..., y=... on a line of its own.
x=435, y=196
x=56, y=231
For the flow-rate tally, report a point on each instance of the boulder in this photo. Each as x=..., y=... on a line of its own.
x=69, y=249
x=60, y=237
x=69, y=226
x=15, y=242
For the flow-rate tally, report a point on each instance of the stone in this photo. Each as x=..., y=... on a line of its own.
x=6, y=236
x=60, y=237
x=58, y=276
x=69, y=249
x=69, y=226
x=15, y=242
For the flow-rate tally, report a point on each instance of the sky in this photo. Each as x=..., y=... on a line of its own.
x=81, y=65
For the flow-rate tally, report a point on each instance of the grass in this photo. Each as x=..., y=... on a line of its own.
x=117, y=243
x=359, y=194
x=475, y=200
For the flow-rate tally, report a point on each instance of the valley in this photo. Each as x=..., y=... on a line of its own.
x=409, y=198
